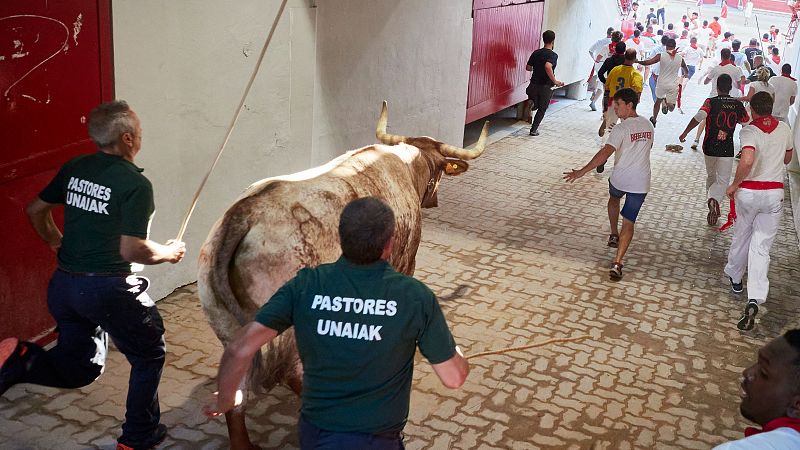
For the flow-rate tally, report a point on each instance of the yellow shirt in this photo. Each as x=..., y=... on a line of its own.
x=623, y=77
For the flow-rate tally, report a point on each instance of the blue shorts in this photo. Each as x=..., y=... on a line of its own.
x=633, y=202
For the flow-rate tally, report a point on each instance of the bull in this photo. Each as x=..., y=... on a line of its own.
x=282, y=224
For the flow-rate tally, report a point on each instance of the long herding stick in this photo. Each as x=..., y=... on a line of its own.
x=185, y=221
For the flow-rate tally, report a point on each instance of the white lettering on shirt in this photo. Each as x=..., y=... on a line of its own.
x=80, y=193
x=349, y=330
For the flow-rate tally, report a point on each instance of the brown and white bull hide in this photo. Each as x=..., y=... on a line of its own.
x=282, y=224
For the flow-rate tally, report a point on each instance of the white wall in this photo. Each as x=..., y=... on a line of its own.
x=183, y=65
x=578, y=24
x=792, y=56
x=413, y=53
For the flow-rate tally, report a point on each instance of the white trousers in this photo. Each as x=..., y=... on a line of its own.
x=718, y=176
x=758, y=214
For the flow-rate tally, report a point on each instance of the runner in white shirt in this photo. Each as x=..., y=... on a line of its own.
x=704, y=37
x=693, y=56
x=785, y=87
x=630, y=142
x=598, y=52
x=769, y=392
x=757, y=188
x=668, y=79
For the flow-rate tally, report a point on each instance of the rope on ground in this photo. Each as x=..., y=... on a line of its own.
x=525, y=347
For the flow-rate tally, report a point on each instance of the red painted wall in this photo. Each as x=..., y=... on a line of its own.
x=55, y=66
x=503, y=37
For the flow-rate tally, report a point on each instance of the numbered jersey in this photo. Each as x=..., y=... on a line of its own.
x=723, y=113
x=622, y=77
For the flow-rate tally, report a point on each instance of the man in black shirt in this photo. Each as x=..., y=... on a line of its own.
x=542, y=65
x=752, y=50
x=721, y=115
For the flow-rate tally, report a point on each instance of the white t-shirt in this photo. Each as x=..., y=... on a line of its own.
x=703, y=36
x=760, y=86
x=669, y=72
x=770, y=150
x=780, y=439
x=723, y=44
x=734, y=72
x=682, y=43
x=692, y=56
x=632, y=140
x=785, y=88
x=600, y=48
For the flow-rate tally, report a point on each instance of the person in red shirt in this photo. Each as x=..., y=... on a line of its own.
x=716, y=28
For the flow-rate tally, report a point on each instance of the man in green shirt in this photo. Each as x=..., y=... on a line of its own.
x=357, y=323
x=108, y=205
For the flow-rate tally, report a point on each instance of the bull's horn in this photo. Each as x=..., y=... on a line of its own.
x=462, y=153
x=380, y=132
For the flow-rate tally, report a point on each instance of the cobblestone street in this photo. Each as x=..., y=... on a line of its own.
x=517, y=256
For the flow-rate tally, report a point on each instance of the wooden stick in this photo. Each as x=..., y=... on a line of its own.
x=525, y=347
x=185, y=221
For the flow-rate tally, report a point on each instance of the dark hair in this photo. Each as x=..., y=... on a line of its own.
x=724, y=83
x=736, y=45
x=620, y=48
x=627, y=95
x=108, y=121
x=664, y=39
x=686, y=24
x=693, y=39
x=716, y=18
x=727, y=34
x=786, y=68
x=670, y=26
x=753, y=41
x=725, y=53
x=637, y=33
x=671, y=43
x=766, y=36
x=616, y=36
x=549, y=36
x=365, y=226
x=705, y=22
x=609, y=30
x=775, y=50
x=761, y=103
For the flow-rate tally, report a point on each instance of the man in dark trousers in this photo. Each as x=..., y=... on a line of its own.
x=94, y=293
x=542, y=65
x=358, y=323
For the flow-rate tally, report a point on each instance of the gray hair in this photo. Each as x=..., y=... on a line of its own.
x=108, y=121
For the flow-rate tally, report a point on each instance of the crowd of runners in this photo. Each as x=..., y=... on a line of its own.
x=750, y=91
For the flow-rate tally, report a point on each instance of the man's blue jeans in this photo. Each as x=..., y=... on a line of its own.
x=85, y=309
x=652, y=82
x=314, y=438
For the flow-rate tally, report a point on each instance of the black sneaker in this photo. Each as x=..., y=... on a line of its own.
x=11, y=363
x=534, y=133
x=653, y=121
x=748, y=319
x=158, y=437
x=736, y=287
x=615, y=272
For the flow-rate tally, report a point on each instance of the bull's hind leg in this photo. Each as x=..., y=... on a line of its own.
x=237, y=430
x=295, y=378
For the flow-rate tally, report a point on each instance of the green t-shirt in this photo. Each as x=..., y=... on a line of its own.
x=104, y=197
x=357, y=329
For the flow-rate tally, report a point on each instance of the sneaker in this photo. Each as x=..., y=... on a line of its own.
x=158, y=437
x=11, y=367
x=748, y=319
x=653, y=121
x=694, y=146
x=601, y=168
x=592, y=106
x=602, y=130
x=738, y=155
x=534, y=133
x=737, y=288
x=713, y=211
x=613, y=240
x=664, y=109
x=615, y=272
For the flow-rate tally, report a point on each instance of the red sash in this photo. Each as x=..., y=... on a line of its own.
x=755, y=186
x=761, y=185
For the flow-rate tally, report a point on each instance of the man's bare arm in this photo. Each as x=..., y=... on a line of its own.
x=454, y=371
x=40, y=215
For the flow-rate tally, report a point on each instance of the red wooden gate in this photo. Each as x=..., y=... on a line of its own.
x=503, y=37
x=55, y=66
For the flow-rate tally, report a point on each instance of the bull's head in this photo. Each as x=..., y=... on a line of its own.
x=440, y=157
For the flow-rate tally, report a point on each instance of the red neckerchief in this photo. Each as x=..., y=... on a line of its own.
x=789, y=77
x=774, y=424
x=767, y=124
x=776, y=59
x=725, y=40
x=648, y=34
x=672, y=53
x=636, y=40
x=694, y=46
x=726, y=62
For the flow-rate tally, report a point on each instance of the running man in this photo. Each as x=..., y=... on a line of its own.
x=668, y=79
x=721, y=114
x=630, y=142
x=757, y=188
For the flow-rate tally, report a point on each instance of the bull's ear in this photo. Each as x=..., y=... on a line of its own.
x=455, y=166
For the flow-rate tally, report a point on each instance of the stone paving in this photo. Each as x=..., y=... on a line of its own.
x=517, y=256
